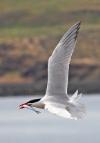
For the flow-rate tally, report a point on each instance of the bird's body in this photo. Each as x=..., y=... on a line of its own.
x=56, y=99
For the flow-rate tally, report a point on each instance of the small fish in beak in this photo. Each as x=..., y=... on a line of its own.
x=25, y=105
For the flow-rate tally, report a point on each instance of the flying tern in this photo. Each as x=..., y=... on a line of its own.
x=56, y=99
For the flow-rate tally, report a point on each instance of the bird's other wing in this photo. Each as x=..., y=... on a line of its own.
x=58, y=63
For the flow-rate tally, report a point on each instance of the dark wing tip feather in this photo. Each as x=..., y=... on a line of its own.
x=78, y=27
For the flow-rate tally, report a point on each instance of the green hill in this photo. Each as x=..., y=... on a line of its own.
x=39, y=18
x=29, y=31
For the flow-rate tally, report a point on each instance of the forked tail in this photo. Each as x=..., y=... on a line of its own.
x=75, y=108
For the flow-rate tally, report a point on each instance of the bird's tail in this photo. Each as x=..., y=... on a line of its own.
x=75, y=108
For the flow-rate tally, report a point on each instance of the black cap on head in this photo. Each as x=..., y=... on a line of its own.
x=34, y=100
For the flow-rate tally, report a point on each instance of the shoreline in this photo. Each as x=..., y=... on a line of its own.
x=28, y=89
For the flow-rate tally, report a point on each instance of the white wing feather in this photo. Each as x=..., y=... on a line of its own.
x=56, y=100
x=58, y=64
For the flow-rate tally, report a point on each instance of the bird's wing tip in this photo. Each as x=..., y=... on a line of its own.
x=78, y=23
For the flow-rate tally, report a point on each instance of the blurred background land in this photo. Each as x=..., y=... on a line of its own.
x=30, y=30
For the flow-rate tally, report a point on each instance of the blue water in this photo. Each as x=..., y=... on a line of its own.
x=24, y=126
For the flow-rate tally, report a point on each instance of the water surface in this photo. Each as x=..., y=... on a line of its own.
x=24, y=126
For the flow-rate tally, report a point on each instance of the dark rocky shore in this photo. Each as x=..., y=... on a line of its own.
x=79, y=78
x=23, y=66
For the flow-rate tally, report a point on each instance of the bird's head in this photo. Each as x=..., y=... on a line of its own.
x=28, y=104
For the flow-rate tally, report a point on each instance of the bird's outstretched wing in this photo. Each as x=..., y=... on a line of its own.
x=58, y=63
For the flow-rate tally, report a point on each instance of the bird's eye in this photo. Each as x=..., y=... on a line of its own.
x=29, y=104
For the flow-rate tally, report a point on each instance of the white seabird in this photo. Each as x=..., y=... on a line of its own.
x=56, y=99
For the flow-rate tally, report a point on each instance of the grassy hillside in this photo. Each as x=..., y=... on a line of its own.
x=38, y=18
x=29, y=31
x=20, y=19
